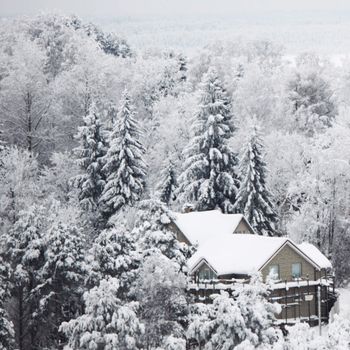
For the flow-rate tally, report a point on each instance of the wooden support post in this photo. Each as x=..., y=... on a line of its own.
x=319, y=310
x=308, y=303
x=285, y=301
x=299, y=298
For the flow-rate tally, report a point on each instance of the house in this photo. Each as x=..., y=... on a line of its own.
x=228, y=252
x=194, y=228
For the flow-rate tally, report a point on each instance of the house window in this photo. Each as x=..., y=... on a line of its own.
x=274, y=272
x=206, y=274
x=296, y=270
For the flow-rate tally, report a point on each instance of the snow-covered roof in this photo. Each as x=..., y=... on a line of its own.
x=238, y=253
x=200, y=226
x=315, y=255
x=246, y=254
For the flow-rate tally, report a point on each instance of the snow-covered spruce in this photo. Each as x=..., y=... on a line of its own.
x=124, y=166
x=107, y=323
x=254, y=200
x=114, y=254
x=62, y=277
x=208, y=177
x=168, y=183
x=155, y=235
x=24, y=247
x=7, y=332
x=92, y=148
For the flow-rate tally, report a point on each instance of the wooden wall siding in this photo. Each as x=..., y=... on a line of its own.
x=243, y=228
x=284, y=259
x=179, y=235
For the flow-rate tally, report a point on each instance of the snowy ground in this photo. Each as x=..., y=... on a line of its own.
x=344, y=302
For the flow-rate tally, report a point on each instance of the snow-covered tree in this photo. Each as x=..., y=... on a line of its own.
x=90, y=153
x=106, y=323
x=208, y=177
x=56, y=179
x=173, y=343
x=245, y=320
x=24, y=248
x=199, y=325
x=114, y=254
x=182, y=63
x=312, y=102
x=124, y=166
x=7, y=332
x=155, y=235
x=62, y=277
x=227, y=328
x=258, y=313
x=254, y=199
x=338, y=336
x=160, y=289
x=168, y=183
x=299, y=337
x=19, y=189
x=25, y=98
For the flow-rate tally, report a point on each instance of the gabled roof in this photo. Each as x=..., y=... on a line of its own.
x=315, y=255
x=200, y=226
x=245, y=254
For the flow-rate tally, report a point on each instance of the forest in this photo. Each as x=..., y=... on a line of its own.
x=100, y=143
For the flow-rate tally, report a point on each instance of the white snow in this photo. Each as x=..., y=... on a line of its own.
x=344, y=302
x=237, y=253
x=315, y=255
x=201, y=226
x=247, y=253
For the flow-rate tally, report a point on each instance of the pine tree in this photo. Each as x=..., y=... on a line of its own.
x=62, y=278
x=155, y=235
x=106, y=322
x=168, y=184
x=124, y=166
x=254, y=200
x=7, y=332
x=208, y=178
x=114, y=254
x=90, y=154
x=24, y=248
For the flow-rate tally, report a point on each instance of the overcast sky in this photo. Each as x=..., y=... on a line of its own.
x=112, y=8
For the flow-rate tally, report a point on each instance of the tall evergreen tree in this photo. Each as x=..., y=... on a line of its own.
x=124, y=166
x=24, y=248
x=168, y=183
x=107, y=323
x=62, y=278
x=90, y=153
x=114, y=254
x=254, y=200
x=155, y=235
x=7, y=332
x=208, y=178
